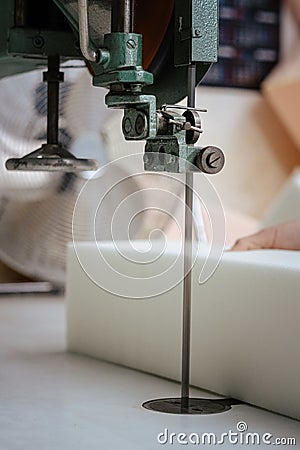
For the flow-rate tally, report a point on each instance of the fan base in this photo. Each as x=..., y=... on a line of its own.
x=51, y=158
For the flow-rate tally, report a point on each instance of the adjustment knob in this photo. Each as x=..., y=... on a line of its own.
x=210, y=160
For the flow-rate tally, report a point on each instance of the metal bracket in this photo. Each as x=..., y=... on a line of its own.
x=196, y=31
x=120, y=61
x=140, y=119
x=35, y=42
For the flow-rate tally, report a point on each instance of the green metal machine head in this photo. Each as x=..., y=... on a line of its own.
x=102, y=32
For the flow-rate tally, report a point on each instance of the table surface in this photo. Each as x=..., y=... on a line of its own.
x=51, y=399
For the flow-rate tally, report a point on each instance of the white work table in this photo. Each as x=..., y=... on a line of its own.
x=53, y=400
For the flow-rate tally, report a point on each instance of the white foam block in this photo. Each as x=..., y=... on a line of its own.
x=245, y=319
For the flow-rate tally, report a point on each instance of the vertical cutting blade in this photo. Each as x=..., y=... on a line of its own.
x=188, y=251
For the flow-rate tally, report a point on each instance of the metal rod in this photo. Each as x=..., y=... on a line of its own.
x=165, y=107
x=122, y=16
x=52, y=78
x=188, y=254
x=185, y=126
x=132, y=17
x=84, y=36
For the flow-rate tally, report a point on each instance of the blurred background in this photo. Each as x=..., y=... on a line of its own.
x=252, y=96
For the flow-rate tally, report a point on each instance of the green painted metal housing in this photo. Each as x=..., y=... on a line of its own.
x=26, y=43
x=24, y=48
x=28, y=35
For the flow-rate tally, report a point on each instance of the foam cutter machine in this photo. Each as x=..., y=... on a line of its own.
x=149, y=55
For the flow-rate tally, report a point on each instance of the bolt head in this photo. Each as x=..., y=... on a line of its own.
x=210, y=160
x=131, y=44
x=38, y=41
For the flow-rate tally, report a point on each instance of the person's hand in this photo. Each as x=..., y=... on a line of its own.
x=285, y=236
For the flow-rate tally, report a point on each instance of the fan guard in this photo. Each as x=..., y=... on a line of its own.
x=36, y=208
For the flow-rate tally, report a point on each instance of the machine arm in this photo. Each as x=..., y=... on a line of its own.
x=108, y=35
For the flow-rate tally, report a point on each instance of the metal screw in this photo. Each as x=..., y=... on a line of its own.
x=210, y=160
x=197, y=32
x=38, y=41
x=131, y=44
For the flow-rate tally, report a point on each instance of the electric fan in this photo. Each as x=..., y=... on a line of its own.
x=36, y=208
